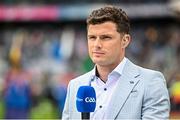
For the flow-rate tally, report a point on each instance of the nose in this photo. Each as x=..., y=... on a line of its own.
x=97, y=43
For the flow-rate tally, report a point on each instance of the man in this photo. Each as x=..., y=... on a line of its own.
x=123, y=89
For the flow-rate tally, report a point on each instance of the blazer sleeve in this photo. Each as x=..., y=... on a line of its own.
x=156, y=104
x=66, y=111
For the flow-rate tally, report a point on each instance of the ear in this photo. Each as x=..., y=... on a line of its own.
x=126, y=40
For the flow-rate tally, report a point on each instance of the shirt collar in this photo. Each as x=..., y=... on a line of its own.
x=120, y=67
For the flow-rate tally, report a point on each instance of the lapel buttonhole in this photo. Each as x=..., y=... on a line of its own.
x=136, y=76
x=131, y=82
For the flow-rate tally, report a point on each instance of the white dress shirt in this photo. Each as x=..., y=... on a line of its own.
x=104, y=91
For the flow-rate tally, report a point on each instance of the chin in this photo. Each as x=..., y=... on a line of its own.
x=100, y=63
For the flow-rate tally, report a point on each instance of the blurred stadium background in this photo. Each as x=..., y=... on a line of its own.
x=43, y=46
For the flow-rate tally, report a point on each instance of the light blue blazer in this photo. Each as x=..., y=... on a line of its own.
x=141, y=94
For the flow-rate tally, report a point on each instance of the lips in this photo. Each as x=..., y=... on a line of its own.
x=98, y=53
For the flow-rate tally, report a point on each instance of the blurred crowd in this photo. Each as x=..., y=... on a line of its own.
x=36, y=64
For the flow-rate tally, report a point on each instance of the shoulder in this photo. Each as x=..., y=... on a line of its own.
x=142, y=72
x=147, y=75
x=151, y=78
x=147, y=71
x=153, y=82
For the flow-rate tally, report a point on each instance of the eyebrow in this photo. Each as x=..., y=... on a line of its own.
x=101, y=35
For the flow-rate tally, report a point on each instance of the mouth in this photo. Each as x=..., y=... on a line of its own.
x=98, y=53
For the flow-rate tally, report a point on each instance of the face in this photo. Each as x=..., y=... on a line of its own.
x=106, y=45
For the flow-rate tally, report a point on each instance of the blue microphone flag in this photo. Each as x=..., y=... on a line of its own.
x=86, y=99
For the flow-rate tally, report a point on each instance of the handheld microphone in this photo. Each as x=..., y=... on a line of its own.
x=86, y=101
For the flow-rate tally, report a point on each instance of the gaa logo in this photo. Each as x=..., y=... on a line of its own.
x=90, y=99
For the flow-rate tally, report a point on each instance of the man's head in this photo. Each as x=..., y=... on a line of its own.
x=108, y=36
x=113, y=14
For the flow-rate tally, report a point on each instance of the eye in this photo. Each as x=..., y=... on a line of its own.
x=91, y=37
x=106, y=37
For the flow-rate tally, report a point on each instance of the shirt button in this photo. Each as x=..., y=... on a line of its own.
x=105, y=89
x=100, y=106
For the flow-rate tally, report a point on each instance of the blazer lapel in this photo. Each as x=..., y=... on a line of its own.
x=126, y=83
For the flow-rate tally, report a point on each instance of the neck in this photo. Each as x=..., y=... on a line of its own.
x=105, y=70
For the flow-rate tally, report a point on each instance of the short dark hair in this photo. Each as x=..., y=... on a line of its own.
x=110, y=13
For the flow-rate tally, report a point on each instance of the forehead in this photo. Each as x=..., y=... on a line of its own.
x=106, y=27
